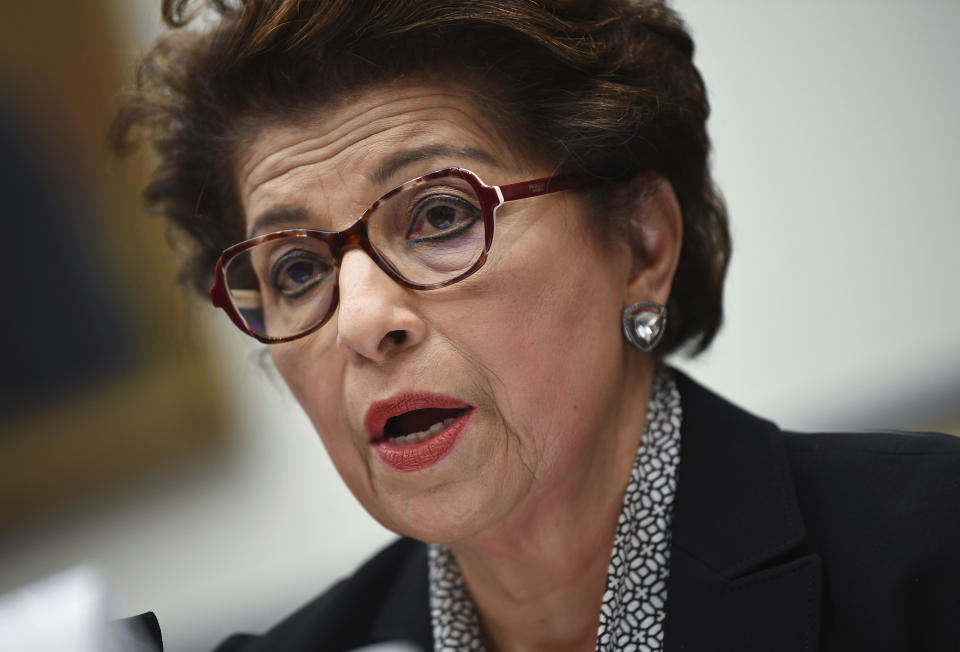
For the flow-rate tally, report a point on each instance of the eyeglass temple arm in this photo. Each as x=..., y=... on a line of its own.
x=543, y=186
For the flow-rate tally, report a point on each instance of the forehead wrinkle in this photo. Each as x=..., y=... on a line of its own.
x=351, y=113
x=393, y=136
x=285, y=163
x=286, y=184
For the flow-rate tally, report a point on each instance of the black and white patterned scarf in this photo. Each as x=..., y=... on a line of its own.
x=634, y=601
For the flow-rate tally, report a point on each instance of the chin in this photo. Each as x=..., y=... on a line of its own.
x=439, y=515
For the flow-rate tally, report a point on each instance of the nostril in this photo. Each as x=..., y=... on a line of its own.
x=398, y=337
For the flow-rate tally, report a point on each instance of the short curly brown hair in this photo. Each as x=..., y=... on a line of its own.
x=606, y=87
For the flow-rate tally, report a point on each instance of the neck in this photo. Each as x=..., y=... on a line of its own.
x=538, y=579
x=546, y=598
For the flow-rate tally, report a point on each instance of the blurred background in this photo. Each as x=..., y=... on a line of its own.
x=140, y=432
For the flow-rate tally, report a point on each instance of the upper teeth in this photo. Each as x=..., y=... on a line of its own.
x=423, y=435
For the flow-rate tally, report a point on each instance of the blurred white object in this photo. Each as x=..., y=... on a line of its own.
x=67, y=611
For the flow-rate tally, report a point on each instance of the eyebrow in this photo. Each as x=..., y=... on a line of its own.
x=403, y=158
x=277, y=218
x=280, y=217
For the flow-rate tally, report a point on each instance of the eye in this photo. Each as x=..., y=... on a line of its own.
x=297, y=272
x=441, y=217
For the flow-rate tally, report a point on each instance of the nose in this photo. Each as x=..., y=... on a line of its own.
x=376, y=318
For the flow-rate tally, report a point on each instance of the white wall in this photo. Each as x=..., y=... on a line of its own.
x=836, y=138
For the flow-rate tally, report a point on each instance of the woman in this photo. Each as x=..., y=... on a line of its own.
x=469, y=233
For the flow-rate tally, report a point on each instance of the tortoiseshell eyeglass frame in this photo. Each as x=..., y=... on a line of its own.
x=356, y=237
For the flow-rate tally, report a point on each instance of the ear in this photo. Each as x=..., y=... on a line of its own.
x=656, y=235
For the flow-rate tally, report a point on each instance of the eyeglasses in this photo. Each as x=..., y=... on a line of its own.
x=428, y=233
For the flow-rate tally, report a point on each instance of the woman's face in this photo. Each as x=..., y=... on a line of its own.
x=525, y=356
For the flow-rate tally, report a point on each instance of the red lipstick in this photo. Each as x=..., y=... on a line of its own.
x=412, y=431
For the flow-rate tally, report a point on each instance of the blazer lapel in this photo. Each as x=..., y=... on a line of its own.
x=738, y=577
x=405, y=614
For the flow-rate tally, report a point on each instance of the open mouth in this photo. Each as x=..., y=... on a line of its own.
x=413, y=431
x=418, y=426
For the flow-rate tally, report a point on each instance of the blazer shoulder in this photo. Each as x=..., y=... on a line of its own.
x=873, y=519
x=386, y=599
x=919, y=470
x=896, y=489
x=881, y=442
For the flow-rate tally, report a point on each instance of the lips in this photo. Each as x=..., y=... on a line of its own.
x=415, y=430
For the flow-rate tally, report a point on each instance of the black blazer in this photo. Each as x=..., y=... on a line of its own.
x=781, y=542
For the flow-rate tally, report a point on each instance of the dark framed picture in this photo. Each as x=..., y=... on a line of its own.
x=104, y=378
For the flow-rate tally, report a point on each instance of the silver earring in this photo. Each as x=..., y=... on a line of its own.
x=644, y=323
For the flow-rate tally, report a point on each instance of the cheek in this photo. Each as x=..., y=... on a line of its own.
x=551, y=342
x=315, y=378
x=315, y=382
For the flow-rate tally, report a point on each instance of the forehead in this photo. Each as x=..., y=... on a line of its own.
x=353, y=151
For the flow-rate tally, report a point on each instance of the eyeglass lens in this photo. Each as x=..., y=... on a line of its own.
x=430, y=231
